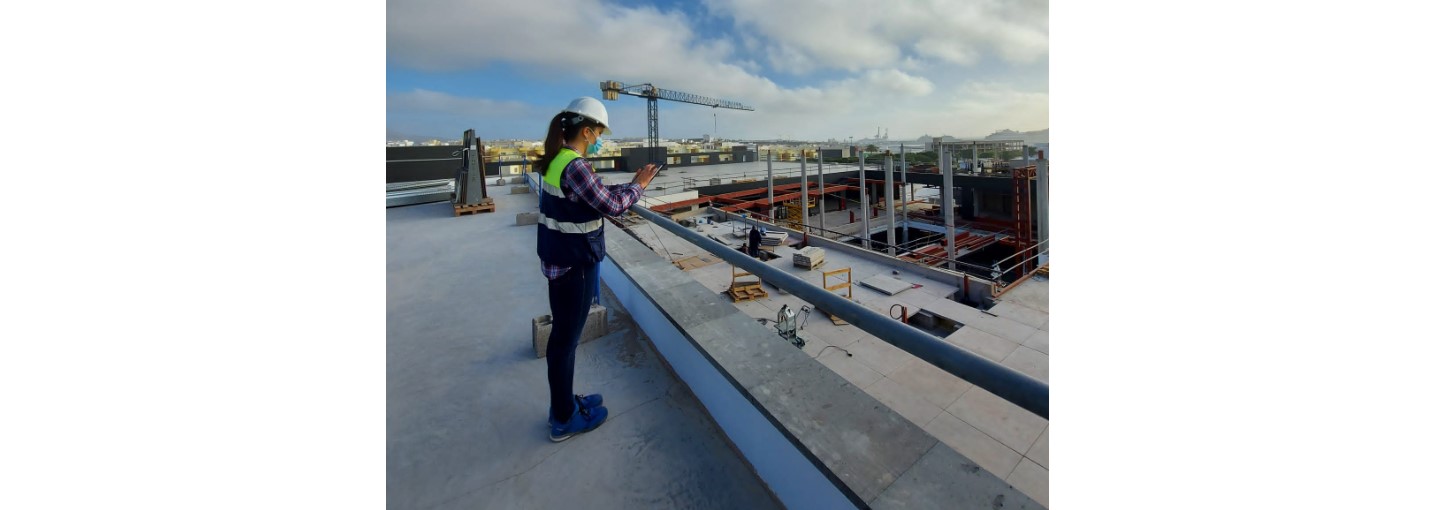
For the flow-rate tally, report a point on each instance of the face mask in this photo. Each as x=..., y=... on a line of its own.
x=594, y=147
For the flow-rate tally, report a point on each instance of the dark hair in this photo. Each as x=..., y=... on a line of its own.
x=563, y=127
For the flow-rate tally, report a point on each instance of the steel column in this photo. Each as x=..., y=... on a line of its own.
x=945, y=162
x=653, y=129
x=803, y=200
x=863, y=201
x=903, y=197
x=888, y=196
x=821, y=201
x=770, y=185
x=1042, y=200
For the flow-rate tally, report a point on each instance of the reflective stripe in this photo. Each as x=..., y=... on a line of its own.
x=555, y=173
x=571, y=228
x=550, y=189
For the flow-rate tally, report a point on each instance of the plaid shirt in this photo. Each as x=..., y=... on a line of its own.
x=580, y=182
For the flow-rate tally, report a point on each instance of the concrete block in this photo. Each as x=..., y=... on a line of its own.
x=526, y=218
x=518, y=190
x=596, y=326
x=886, y=285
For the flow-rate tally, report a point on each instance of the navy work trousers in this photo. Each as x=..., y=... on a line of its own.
x=569, y=298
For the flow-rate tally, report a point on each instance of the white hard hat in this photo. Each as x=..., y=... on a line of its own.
x=591, y=108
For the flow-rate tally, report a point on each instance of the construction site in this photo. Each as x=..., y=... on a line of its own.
x=884, y=344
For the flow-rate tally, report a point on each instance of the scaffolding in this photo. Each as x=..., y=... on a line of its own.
x=793, y=215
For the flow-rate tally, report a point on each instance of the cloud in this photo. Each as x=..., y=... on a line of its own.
x=854, y=35
x=893, y=83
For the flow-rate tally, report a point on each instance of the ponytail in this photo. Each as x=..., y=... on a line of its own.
x=561, y=128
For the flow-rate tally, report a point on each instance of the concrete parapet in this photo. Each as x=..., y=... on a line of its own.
x=526, y=218
x=518, y=190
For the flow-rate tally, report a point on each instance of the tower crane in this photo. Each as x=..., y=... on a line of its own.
x=612, y=89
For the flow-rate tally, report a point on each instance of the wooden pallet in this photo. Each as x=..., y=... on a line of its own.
x=747, y=292
x=747, y=289
x=486, y=205
x=847, y=284
x=694, y=262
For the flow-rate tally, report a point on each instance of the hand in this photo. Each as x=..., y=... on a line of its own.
x=645, y=175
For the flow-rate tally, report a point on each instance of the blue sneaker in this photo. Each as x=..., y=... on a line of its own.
x=583, y=402
x=582, y=421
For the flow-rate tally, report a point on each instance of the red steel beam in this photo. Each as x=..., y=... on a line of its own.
x=682, y=203
x=735, y=205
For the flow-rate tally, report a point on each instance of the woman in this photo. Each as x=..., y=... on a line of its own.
x=571, y=244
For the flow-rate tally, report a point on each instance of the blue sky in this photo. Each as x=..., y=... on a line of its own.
x=812, y=69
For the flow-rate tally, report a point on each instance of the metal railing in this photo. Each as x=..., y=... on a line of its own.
x=1011, y=385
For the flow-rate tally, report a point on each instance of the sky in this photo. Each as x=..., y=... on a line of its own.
x=811, y=69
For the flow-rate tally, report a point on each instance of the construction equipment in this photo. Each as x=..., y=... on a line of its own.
x=847, y=284
x=808, y=258
x=787, y=324
x=471, y=194
x=612, y=89
x=469, y=186
x=747, y=289
x=902, y=315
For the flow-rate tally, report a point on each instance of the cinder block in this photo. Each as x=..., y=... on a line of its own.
x=519, y=190
x=596, y=326
x=526, y=218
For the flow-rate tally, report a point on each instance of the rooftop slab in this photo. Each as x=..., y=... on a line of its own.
x=868, y=439
x=993, y=433
x=467, y=401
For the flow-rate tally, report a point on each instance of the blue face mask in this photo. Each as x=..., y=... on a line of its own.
x=594, y=147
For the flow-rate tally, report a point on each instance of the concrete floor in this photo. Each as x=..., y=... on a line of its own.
x=467, y=400
x=1003, y=438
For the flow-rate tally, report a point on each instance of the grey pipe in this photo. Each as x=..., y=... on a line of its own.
x=1011, y=385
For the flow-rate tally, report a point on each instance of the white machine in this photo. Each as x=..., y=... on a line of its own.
x=787, y=324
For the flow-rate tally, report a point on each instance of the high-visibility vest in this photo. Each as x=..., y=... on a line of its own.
x=571, y=233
